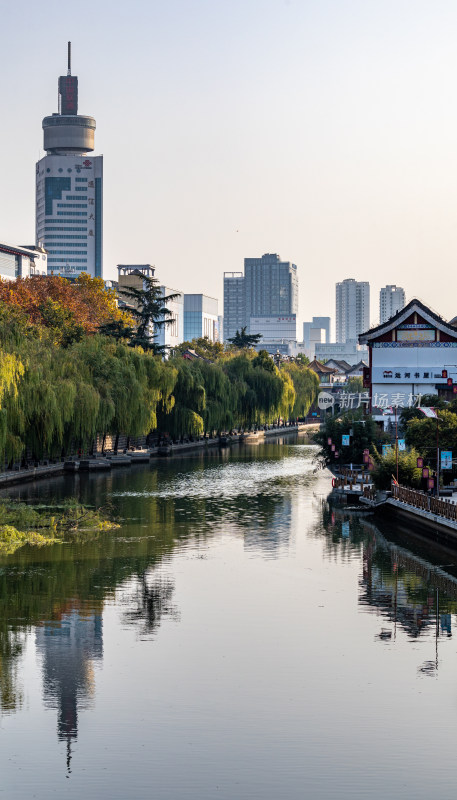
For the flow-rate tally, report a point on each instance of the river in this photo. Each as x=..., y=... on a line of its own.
x=236, y=637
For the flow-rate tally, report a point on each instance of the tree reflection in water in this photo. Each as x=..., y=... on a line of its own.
x=151, y=602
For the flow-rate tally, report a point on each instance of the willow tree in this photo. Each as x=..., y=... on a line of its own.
x=11, y=372
x=306, y=385
x=186, y=416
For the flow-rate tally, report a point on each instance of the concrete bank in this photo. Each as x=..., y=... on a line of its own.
x=419, y=518
x=111, y=461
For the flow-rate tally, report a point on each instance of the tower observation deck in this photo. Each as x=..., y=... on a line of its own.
x=67, y=131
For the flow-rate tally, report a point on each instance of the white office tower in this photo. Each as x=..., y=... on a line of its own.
x=69, y=188
x=352, y=309
x=391, y=300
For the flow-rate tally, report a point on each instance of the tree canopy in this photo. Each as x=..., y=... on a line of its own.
x=243, y=340
x=149, y=309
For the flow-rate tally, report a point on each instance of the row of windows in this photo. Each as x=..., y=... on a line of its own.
x=60, y=227
x=80, y=188
x=59, y=260
x=72, y=213
x=67, y=244
x=66, y=236
x=72, y=205
x=81, y=180
x=76, y=196
x=68, y=252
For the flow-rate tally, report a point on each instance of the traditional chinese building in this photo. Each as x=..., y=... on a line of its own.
x=411, y=355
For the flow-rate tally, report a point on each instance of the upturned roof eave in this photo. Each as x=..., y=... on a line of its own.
x=400, y=316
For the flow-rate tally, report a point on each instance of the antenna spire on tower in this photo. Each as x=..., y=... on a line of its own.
x=69, y=59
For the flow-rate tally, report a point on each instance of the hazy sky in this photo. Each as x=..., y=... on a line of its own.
x=323, y=130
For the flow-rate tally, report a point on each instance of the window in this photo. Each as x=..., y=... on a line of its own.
x=67, y=236
x=71, y=205
x=72, y=213
x=81, y=180
x=77, y=197
x=68, y=252
x=73, y=260
x=60, y=228
x=53, y=188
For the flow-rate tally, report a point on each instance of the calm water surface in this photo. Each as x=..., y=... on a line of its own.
x=235, y=638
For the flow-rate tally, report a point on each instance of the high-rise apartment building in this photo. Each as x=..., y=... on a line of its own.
x=352, y=309
x=391, y=300
x=69, y=188
x=234, y=304
x=266, y=295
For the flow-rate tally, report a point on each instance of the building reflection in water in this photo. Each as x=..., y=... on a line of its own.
x=406, y=590
x=69, y=646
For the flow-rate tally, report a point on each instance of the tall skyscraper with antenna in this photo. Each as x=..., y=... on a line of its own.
x=69, y=188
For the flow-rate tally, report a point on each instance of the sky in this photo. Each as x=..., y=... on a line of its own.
x=322, y=130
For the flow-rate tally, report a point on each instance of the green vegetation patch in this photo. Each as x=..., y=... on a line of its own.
x=20, y=523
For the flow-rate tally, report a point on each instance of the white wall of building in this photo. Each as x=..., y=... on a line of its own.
x=391, y=300
x=352, y=309
x=69, y=213
x=349, y=351
x=172, y=334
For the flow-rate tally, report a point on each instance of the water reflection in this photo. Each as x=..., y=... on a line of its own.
x=150, y=601
x=69, y=647
x=247, y=676
x=60, y=592
x=402, y=588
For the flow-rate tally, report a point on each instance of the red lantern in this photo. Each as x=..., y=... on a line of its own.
x=420, y=462
x=430, y=483
x=444, y=373
x=333, y=448
x=337, y=455
x=425, y=472
x=329, y=440
x=449, y=381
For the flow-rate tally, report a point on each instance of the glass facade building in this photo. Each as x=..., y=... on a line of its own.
x=268, y=288
x=234, y=304
x=200, y=317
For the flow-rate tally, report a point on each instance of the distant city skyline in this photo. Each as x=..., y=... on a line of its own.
x=327, y=154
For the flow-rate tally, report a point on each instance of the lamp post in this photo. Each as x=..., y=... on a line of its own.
x=396, y=441
x=437, y=458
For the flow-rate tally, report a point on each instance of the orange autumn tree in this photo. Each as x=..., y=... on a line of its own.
x=68, y=309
